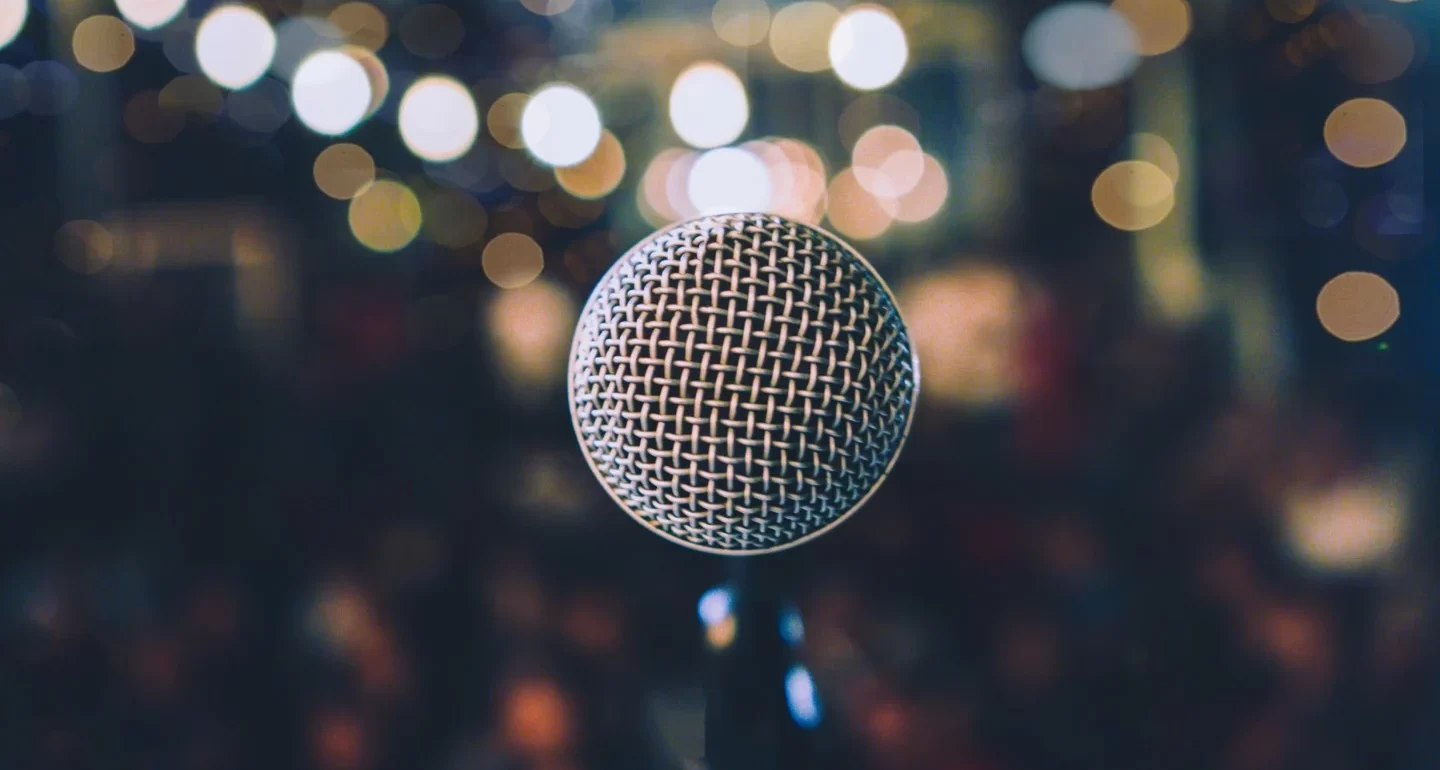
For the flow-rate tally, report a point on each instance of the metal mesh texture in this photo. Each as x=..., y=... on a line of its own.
x=740, y=383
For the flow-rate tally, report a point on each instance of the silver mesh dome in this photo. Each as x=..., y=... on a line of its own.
x=741, y=383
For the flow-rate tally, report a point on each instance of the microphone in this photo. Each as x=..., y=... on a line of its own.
x=741, y=384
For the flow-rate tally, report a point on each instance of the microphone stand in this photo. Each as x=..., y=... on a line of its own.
x=748, y=725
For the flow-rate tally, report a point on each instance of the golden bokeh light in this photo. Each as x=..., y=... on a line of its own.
x=1155, y=149
x=928, y=195
x=385, y=216
x=1133, y=195
x=193, y=94
x=512, y=260
x=872, y=109
x=1357, y=306
x=887, y=161
x=800, y=35
x=597, y=175
x=1290, y=11
x=548, y=7
x=103, y=43
x=1160, y=25
x=343, y=171
x=1365, y=132
x=1351, y=525
x=565, y=210
x=721, y=634
x=149, y=122
x=797, y=178
x=537, y=718
x=431, y=31
x=503, y=119
x=453, y=218
x=966, y=323
x=361, y=24
x=1376, y=49
x=375, y=73
x=856, y=213
x=529, y=329
x=652, y=195
x=84, y=246
x=741, y=23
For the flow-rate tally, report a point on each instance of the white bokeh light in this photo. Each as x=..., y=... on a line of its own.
x=560, y=125
x=1080, y=46
x=149, y=14
x=438, y=119
x=708, y=106
x=331, y=93
x=868, y=48
x=729, y=180
x=234, y=45
x=13, y=14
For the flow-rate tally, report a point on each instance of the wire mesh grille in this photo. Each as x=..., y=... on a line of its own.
x=739, y=383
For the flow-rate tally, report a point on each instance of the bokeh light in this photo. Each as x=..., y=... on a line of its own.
x=1133, y=195
x=548, y=7
x=801, y=697
x=431, y=31
x=234, y=46
x=453, y=218
x=512, y=260
x=438, y=118
x=375, y=71
x=560, y=125
x=503, y=120
x=800, y=35
x=797, y=178
x=150, y=122
x=1365, y=132
x=13, y=14
x=1080, y=46
x=84, y=246
x=361, y=24
x=1357, y=306
x=102, y=43
x=262, y=108
x=597, y=175
x=1352, y=525
x=297, y=39
x=887, y=161
x=1157, y=150
x=652, y=195
x=927, y=197
x=966, y=324
x=708, y=105
x=867, y=47
x=52, y=87
x=331, y=93
x=562, y=209
x=344, y=170
x=741, y=23
x=715, y=605
x=522, y=173
x=1160, y=25
x=149, y=14
x=193, y=94
x=729, y=180
x=854, y=211
x=1376, y=49
x=385, y=216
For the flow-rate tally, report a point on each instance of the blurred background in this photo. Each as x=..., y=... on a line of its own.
x=286, y=295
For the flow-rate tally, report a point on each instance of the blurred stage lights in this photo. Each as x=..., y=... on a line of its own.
x=868, y=48
x=234, y=46
x=854, y=211
x=331, y=93
x=529, y=330
x=503, y=120
x=385, y=216
x=560, y=125
x=149, y=14
x=296, y=39
x=800, y=35
x=708, y=105
x=1365, y=132
x=1133, y=195
x=888, y=161
x=597, y=175
x=361, y=24
x=927, y=197
x=438, y=119
x=1357, y=306
x=13, y=14
x=1160, y=25
x=801, y=697
x=1080, y=46
x=729, y=180
x=102, y=43
x=714, y=605
x=512, y=260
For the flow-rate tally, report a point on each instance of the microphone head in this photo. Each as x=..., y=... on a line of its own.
x=741, y=383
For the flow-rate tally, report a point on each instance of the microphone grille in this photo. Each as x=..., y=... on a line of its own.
x=741, y=383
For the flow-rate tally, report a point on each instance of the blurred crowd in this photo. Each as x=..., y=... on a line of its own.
x=376, y=556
